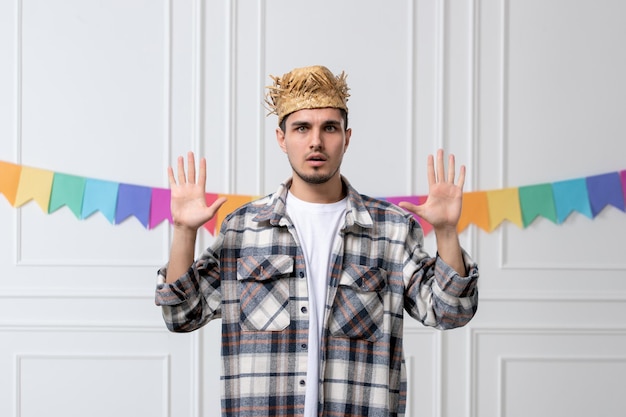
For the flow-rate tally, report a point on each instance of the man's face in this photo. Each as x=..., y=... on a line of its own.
x=314, y=141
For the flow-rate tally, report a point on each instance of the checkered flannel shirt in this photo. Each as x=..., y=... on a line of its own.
x=254, y=278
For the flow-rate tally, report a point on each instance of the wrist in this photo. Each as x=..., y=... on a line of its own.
x=446, y=232
x=185, y=232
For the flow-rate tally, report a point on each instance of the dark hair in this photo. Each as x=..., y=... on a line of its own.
x=344, y=114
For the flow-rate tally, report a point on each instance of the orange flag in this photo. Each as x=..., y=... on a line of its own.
x=35, y=184
x=9, y=180
x=475, y=210
x=504, y=205
x=233, y=202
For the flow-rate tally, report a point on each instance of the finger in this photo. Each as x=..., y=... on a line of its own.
x=170, y=176
x=451, y=169
x=461, y=177
x=440, y=166
x=191, y=166
x=181, y=171
x=430, y=164
x=202, y=173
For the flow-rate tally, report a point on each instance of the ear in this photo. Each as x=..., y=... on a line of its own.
x=280, y=138
x=347, y=142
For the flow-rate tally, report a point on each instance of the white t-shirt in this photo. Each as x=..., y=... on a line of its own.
x=317, y=227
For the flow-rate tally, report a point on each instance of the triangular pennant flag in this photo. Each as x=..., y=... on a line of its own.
x=133, y=200
x=475, y=210
x=537, y=200
x=232, y=203
x=622, y=175
x=569, y=196
x=67, y=190
x=9, y=180
x=160, y=207
x=605, y=190
x=100, y=196
x=210, y=225
x=418, y=201
x=504, y=205
x=35, y=184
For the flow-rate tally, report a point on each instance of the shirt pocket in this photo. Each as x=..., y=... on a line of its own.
x=264, y=292
x=359, y=309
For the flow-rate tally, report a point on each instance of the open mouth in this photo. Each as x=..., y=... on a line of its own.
x=316, y=160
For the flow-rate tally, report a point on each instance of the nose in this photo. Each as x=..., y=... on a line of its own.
x=316, y=139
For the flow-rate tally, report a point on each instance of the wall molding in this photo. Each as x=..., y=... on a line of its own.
x=437, y=381
x=164, y=360
x=43, y=326
x=552, y=296
x=475, y=332
x=503, y=361
x=56, y=293
x=18, y=140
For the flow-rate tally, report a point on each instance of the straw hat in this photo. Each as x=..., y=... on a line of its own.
x=306, y=88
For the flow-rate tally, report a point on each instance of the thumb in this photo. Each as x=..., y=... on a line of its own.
x=411, y=207
x=217, y=204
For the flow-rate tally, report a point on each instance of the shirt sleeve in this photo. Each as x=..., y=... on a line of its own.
x=193, y=299
x=435, y=294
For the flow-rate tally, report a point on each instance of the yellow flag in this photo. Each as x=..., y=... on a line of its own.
x=504, y=205
x=35, y=184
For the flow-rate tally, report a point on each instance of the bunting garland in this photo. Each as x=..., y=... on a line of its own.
x=487, y=210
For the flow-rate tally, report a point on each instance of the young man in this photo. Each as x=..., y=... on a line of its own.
x=311, y=282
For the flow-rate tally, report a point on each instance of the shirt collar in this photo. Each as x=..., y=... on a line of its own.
x=274, y=210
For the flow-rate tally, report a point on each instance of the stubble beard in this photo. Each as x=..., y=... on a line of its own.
x=315, y=178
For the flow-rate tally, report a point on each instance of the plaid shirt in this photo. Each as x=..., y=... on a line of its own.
x=254, y=278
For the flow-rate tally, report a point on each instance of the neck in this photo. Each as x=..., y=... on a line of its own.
x=330, y=191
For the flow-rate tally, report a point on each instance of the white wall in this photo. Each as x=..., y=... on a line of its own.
x=522, y=91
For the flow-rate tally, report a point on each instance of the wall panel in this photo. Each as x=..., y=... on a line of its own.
x=424, y=363
x=558, y=365
x=98, y=369
x=528, y=122
x=118, y=385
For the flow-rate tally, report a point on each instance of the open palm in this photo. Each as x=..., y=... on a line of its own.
x=188, y=201
x=442, y=208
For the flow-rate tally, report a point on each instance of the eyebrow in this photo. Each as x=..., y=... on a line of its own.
x=300, y=123
x=330, y=122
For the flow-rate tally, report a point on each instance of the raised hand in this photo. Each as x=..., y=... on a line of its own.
x=188, y=202
x=442, y=208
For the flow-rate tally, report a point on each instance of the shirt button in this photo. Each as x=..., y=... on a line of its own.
x=302, y=382
x=301, y=274
x=303, y=345
x=304, y=310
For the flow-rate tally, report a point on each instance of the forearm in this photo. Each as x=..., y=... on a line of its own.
x=181, y=253
x=449, y=250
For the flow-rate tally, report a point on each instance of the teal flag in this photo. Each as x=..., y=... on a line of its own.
x=67, y=190
x=100, y=196
x=537, y=200
x=570, y=196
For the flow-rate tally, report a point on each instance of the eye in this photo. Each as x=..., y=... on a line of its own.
x=301, y=129
x=331, y=128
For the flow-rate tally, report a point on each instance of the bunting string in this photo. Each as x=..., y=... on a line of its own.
x=487, y=210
